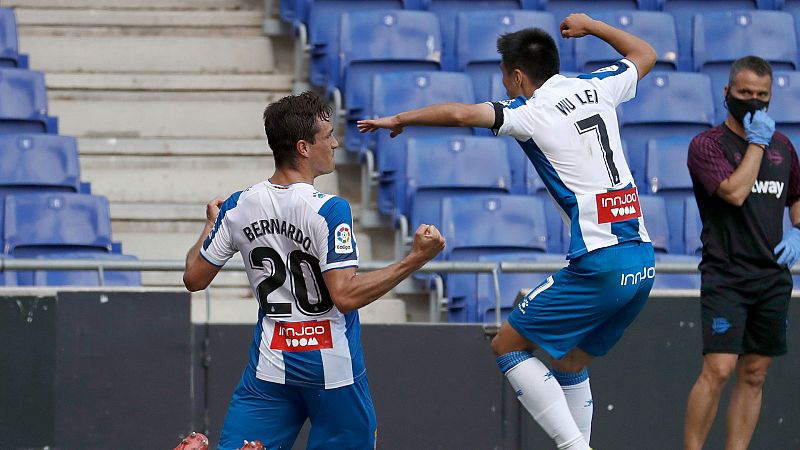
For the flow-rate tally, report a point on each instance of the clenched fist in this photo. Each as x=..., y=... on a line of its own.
x=428, y=242
x=212, y=210
x=576, y=26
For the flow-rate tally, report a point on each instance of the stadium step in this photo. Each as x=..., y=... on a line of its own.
x=135, y=54
x=133, y=4
x=170, y=82
x=148, y=18
x=173, y=147
x=236, y=115
x=184, y=179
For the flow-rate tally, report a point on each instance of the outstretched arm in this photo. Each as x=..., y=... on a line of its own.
x=439, y=115
x=350, y=290
x=634, y=49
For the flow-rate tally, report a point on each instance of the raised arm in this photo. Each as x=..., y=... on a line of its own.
x=439, y=115
x=199, y=273
x=634, y=49
x=350, y=290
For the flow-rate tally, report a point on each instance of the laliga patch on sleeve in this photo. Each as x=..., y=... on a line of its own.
x=343, y=239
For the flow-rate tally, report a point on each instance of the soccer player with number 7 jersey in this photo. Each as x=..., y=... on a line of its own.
x=568, y=129
x=301, y=256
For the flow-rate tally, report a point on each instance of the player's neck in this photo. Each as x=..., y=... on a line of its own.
x=735, y=126
x=285, y=177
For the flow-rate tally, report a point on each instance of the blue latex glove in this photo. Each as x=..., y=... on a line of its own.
x=788, y=250
x=759, y=127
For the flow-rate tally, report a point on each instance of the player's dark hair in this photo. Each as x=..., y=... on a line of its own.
x=757, y=65
x=532, y=51
x=291, y=119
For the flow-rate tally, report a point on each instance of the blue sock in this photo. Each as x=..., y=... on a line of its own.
x=571, y=378
x=510, y=360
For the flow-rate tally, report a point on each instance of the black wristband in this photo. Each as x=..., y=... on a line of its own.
x=498, y=115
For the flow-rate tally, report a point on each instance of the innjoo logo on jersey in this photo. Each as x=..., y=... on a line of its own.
x=301, y=336
x=617, y=206
x=343, y=240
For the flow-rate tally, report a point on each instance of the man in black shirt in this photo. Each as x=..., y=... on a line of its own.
x=744, y=175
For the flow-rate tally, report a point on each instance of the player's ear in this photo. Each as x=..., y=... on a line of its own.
x=302, y=148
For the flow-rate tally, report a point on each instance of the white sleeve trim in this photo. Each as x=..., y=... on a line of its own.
x=211, y=259
x=339, y=265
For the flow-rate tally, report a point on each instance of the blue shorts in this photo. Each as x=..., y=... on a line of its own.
x=341, y=418
x=589, y=303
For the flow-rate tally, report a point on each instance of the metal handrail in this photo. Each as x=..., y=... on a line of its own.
x=493, y=268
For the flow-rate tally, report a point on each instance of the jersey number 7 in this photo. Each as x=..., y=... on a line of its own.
x=297, y=261
x=595, y=123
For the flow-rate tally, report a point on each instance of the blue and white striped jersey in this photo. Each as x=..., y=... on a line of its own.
x=569, y=131
x=288, y=236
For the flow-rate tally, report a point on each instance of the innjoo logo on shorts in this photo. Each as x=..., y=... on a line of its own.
x=301, y=336
x=617, y=206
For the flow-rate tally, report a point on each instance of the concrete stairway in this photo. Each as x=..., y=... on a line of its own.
x=166, y=99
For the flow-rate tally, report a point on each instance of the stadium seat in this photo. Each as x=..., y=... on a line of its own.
x=693, y=228
x=784, y=107
x=74, y=277
x=300, y=11
x=38, y=162
x=666, y=104
x=488, y=225
x=668, y=177
x=323, y=33
x=23, y=108
x=655, y=219
x=722, y=37
x=398, y=40
x=477, y=295
x=684, y=10
x=39, y=223
x=476, y=41
x=790, y=6
x=657, y=28
x=441, y=166
x=448, y=12
x=395, y=92
x=9, y=52
x=562, y=8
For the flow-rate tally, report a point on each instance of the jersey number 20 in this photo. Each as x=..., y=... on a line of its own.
x=297, y=260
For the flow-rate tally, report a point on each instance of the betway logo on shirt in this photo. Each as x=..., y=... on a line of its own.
x=617, y=206
x=301, y=336
x=768, y=187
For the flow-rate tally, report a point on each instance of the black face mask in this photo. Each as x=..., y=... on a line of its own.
x=738, y=107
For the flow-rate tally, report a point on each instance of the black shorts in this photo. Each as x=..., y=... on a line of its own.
x=745, y=316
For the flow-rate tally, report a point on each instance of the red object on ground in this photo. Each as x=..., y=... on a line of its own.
x=195, y=441
x=253, y=445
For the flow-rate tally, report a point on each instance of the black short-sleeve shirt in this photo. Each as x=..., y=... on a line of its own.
x=740, y=240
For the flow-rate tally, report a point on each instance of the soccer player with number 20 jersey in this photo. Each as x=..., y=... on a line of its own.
x=301, y=255
x=568, y=129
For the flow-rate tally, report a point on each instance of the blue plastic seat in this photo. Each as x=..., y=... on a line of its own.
x=52, y=222
x=395, y=92
x=448, y=12
x=655, y=220
x=784, y=107
x=398, y=40
x=323, y=32
x=657, y=28
x=74, y=277
x=441, y=166
x=722, y=37
x=693, y=228
x=9, y=46
x=300, y=11
x=23, y=108
x=666, y=104
x=668, y=177
x=684, y=11
x=480, y=225
x=476, y=42
x=562, y=8
x=39, y=162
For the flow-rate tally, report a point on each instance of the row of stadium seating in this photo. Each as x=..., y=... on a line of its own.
x=46, y=212
x=408, y=40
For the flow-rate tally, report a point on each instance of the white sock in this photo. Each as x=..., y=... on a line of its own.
x=578, y=393
x=541, y=395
